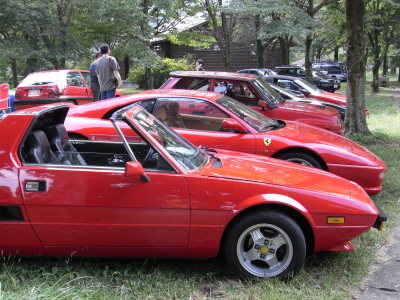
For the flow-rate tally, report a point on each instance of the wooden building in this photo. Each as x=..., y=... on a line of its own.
x=243, y=54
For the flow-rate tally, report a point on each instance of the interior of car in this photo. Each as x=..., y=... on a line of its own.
x=48, y=143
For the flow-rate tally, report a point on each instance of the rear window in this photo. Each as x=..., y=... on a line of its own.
x=40, y=78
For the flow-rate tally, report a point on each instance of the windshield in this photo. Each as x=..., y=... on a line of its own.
x=269, y=93
x=257, y=121
x=188, y=156
x=308, y=86
x=40, y=78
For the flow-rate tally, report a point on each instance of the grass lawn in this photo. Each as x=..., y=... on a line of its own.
x=325, y=275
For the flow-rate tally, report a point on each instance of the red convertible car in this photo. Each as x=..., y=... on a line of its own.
x=162, y=196
x=221, y=122
x=255, y=92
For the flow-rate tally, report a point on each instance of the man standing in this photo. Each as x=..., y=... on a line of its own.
x=107, y=73
x=94, y=82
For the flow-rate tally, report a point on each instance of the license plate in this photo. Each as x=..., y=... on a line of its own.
x=335, y=86
x=33, y=93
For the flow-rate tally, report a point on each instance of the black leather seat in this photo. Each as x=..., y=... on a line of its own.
x=38, y=149
x=61, y=145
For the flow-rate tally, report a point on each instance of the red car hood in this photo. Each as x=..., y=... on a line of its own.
x=310, y=108
x=330, y=97
x=277, y=172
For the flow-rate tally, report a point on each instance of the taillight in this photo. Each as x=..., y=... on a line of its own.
x=54, y=92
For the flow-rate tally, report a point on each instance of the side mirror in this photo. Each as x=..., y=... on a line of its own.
x=135, y=168
x=233, y=125
x=262, y=104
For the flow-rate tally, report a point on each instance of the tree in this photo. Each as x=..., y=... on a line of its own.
x=355, y=113
x=311, y=8
x=382, y=24
x=222, y=26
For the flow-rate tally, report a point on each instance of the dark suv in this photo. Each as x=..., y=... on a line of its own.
x=320, y=79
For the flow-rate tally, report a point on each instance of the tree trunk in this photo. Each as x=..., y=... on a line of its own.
x=318, y=54
x=398, y=78
x=355, y=113
x=285, y=50
x=336, y=54
x=14, y=72
x=149, y=79
x=260, y=46
x=385, y=65
x=308, y=60
x=126, y=66
x=375, y=74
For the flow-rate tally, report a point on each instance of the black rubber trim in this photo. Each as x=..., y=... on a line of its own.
x=10, y=213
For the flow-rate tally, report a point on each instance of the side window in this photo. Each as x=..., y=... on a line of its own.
x=193, y=84
x=300, y=72
x=253, y=72
x=288, y=85
x=240, y=91
x=86, y=76
x=190, y=113
x=75, y=79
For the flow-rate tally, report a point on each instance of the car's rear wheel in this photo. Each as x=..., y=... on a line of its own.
x=265, y=244
x=301, y=158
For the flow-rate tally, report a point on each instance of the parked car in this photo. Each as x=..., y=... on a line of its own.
x=148, y=198
x=4, y=105
x=46, y=87
x=295, y=95
x=321, y=80
x=298, y=85
x=221, y=122
x=333, y=69
x=256, y=92
x=259, y=72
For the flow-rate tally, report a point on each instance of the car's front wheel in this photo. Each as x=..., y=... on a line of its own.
x=301, y=158
x=265, y=244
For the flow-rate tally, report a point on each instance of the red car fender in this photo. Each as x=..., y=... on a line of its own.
x=275, y=199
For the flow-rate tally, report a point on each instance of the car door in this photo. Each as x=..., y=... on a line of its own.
x=76, y=88
x=201, y=123
x=99, y=206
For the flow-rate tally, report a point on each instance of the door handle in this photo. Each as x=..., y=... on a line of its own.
x=35, y=186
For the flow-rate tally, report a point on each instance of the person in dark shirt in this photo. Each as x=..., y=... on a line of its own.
x=94, y=82
x=199, y=65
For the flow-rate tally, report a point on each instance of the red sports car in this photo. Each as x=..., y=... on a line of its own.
x=4, y=107
x=221, y=122
x=162, y=196
x=47, y=87
x=255, y=92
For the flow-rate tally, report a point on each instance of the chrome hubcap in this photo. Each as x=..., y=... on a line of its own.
x=264, y=250
x=300, y=161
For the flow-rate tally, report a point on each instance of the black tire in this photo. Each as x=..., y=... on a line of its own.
x=268, y=260
x=301, y=158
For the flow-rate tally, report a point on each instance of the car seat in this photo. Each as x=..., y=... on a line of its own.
x=38, y=149
x=61, y=144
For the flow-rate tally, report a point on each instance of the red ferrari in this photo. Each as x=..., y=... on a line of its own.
x=259, y=95
x=162, y=196
x=221, y=122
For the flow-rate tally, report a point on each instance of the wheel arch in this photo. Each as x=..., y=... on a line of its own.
x=302, y=150
x=295, y=214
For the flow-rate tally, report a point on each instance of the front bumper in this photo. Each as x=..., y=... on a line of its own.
x=380, y=219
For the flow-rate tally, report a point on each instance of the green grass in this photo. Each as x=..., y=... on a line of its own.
x=325, y=275
x=126, y=91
